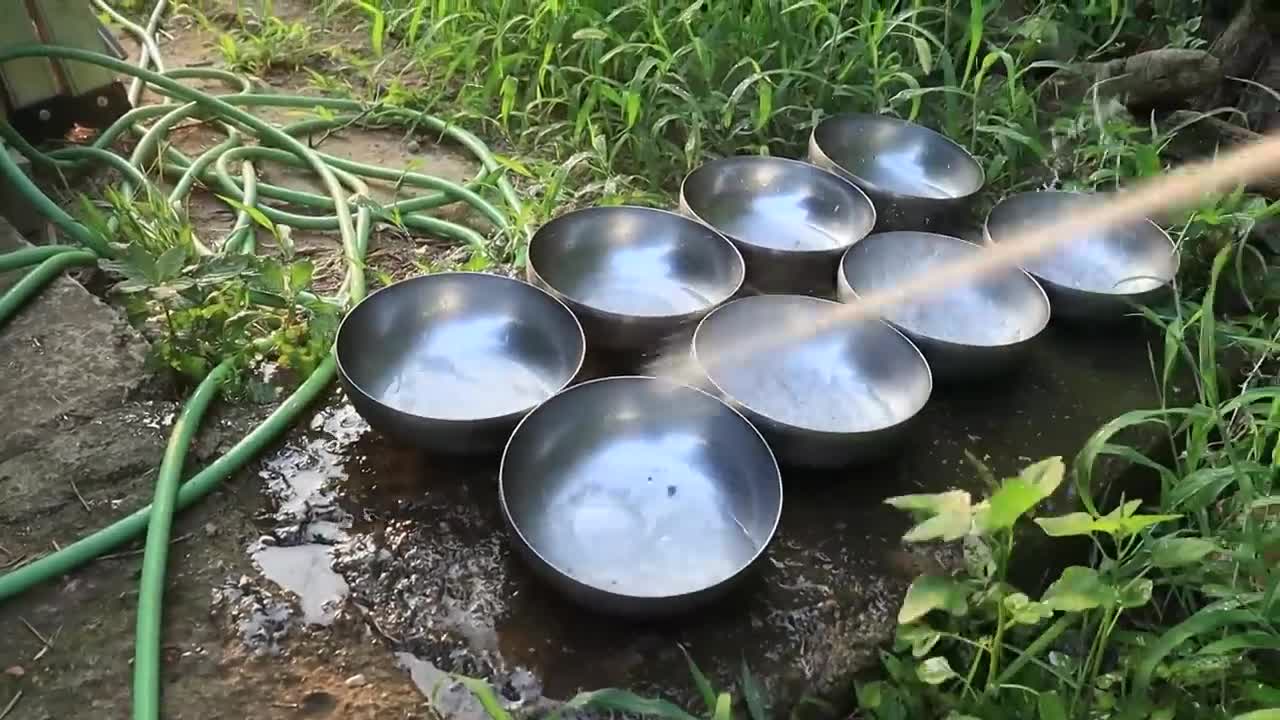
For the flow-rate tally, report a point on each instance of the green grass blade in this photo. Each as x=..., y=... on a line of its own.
x=488, y=699
x=753, y=694
x=1203, y=622
x=724, y=708
x=700, y=681
x=975, y=38
x=628, y=702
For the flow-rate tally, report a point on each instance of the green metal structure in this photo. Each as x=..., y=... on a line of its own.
x=45, y=98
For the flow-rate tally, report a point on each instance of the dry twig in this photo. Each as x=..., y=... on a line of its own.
x=12, y=704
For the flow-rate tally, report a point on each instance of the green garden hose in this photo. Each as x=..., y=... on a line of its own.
x=146, y=658
x=34, y=281
x=19, y=181
x=31, y=256
x=345, y=190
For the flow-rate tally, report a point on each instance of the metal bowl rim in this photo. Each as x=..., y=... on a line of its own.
x=928, y=371
x=566, y=299
x=515, y=527
x=346, y=377
x=1164, y=282
x=1044, y=297
x=813, y=143
x=839, y=249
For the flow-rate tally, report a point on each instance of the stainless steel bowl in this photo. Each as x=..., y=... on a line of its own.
x=790, y=220
x=1098, y=275
x=918, y=179
x=978, y=328
x=637, y=496
x=451, y=362
x=634, y=276
x=831, y=399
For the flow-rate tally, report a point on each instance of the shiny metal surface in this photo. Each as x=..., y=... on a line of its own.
x=451, y=362
x=842, y=396
x=634, y=276
x=637, y=496
x=978, y=328
x=916, y=178
x=790, y=220
x=1099, y=275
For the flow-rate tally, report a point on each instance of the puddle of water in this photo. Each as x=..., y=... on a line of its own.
x=305, y=571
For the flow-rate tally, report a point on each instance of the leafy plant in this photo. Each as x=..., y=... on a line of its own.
x=202, y=309
x=1175, y=610
x=259, y=42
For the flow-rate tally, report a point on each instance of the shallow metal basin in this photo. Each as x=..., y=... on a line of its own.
x=790, y=220
x=1099, y=275
x=978, y=328
x=843, y=395
x=634, y=276
x=918, y=179
x=638, y=496
x=451, y=362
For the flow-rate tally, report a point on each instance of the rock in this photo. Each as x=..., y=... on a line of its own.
x=69, y=364
x=1243, y=49
x=65, y=354
x=356, y=681
x=1156, y=78
x=1201, y=137
x=15, y=671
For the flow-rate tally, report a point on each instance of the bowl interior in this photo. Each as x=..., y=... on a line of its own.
x=998, y=309
x=460, y=346
x=849, y=378
x=895, y=156
x=640, y=487
x=1124, y=260
x=636, y=261
x=778, y=204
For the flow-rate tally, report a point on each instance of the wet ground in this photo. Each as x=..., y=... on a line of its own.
x=419, y=546
x=342, y=576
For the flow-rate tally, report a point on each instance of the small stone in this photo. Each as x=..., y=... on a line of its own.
x=413, y=146
x=210, y=529
x=15, y=671
x=357, y=681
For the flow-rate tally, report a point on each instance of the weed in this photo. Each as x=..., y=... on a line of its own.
x=1175, y=613
x=203, y=309
x=260, y=42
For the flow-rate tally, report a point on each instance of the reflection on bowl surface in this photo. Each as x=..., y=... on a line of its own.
x=629, y=491
x=999, y=309
x=1127, y=260
x=893, y=156
x=778, y=204
x=846, y=379
x=452, y=360
x=635, y=262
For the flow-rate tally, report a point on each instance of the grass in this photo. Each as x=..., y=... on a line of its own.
x=650, y=89
x=1173, y=614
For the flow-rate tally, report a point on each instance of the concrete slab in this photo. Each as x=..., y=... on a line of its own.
x=66, y=355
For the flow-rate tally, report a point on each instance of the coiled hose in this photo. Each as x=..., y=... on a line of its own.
x=345, y=191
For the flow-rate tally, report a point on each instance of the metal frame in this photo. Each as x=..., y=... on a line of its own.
x=43, y=99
